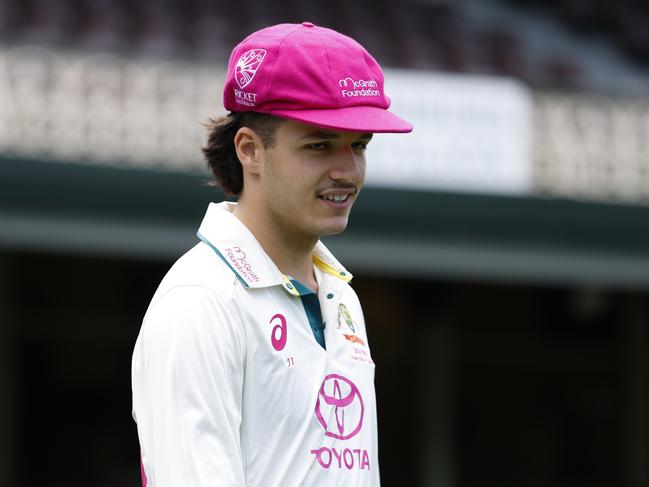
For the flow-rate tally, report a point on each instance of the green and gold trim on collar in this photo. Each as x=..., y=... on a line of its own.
x=289, y=286
x=329, y=269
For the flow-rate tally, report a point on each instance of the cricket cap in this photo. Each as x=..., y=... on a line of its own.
x=310, y=74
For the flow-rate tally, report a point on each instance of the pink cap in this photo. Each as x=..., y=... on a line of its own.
x=310, y=74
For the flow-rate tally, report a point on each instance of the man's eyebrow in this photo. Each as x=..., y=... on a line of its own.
x=318, y=134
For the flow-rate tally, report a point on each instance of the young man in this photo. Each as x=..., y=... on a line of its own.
x=252, y=367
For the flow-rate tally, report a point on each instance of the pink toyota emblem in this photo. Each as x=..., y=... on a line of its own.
x=248, y=65
x=339, y=407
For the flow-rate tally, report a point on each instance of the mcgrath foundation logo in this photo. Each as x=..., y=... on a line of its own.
x=358, y=87
x=248, y=65
x=361, y=83
x=339, y=407
x=237, y=258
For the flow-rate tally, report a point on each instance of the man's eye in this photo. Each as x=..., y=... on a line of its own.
x=360, y=146
x=319, y=145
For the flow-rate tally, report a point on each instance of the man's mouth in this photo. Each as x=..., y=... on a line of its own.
x=338, y=198
x=337, y=194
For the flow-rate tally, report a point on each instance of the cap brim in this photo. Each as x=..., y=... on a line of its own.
x=361, y=119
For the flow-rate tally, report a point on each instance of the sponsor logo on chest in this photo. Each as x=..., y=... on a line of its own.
x=340, y=411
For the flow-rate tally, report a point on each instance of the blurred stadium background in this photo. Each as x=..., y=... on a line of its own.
x=501, y=250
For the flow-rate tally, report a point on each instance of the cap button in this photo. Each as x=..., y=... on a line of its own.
x=307, y=24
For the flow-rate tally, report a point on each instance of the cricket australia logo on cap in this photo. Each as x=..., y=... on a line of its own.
x=244, y=72
x=248, y=65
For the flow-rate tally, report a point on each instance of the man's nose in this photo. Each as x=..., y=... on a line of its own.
x=347, y=165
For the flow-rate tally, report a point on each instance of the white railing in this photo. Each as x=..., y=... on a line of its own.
x=103, y=109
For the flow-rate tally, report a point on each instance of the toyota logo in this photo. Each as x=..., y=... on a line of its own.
x=339, y=407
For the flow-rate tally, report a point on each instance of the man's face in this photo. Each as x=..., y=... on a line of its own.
x=311, y=178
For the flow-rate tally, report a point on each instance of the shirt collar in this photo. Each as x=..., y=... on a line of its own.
x=244, y=255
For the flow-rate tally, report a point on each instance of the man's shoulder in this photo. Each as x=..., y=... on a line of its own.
x=193, y=301
x=199, y=267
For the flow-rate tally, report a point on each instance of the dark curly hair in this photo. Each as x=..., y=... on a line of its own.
x=220, y=153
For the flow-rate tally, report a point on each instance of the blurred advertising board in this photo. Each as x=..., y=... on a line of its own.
x=472, y=133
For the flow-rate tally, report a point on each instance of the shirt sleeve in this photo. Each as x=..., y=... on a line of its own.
x=187, y=378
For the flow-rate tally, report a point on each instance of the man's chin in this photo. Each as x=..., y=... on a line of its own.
x=334, y=227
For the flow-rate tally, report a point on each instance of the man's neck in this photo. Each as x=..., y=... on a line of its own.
x=291, y=255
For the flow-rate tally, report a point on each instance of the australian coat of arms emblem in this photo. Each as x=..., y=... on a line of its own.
x=347, y=326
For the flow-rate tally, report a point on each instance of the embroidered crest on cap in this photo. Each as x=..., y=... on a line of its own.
x=248, y=65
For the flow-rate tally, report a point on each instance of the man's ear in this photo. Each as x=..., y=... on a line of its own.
x=250, y=150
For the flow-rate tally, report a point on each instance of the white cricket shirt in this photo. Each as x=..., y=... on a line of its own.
x=230, y=386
